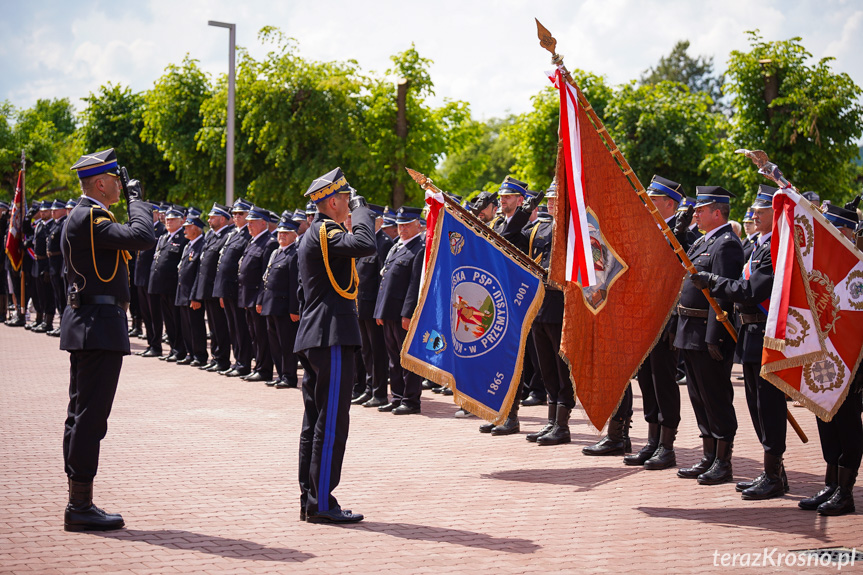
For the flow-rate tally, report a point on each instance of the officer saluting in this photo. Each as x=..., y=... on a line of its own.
x=94, y=328
x=327, y=337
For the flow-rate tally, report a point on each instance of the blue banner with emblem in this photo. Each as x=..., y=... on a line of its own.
x=475, y=311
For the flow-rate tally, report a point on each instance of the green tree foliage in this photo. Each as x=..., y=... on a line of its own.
x=483, y=163
x=47, y=134
x=679, y=66
x=172, y=121
x=805, y=116
x=535, y=133
x=113, y=118
x=665, y=129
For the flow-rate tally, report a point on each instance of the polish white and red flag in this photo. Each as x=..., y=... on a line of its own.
x=579, y=255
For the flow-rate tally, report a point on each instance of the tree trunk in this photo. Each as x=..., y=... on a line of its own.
x=402, y=135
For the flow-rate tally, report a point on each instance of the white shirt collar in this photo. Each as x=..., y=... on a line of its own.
x=714, y=231
x=266, y=231
x=412, y=238
x=193, y=242
x=763, y=238
x=97, y=201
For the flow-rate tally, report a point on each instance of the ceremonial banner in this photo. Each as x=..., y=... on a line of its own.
x=15, y=237
x=612, y=320
x=475, y=310
x=814, y=335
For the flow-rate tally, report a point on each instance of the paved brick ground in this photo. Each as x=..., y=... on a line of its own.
x=204, y=471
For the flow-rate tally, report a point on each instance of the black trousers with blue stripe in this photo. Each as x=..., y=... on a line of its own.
x=327, y=385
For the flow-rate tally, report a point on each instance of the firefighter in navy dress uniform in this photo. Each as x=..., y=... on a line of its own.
x=708, y=348
x=374, y=349
x=221, y=226
x=327, y=338
x=278, y=303
x=250, y=276
x=396, y=302
x=226, y=288
x=192, y=324
x=94, y=329
x=766, y=402
x=55, y=260
x=163, y=280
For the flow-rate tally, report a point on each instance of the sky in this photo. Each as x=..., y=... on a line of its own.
x=484, y=52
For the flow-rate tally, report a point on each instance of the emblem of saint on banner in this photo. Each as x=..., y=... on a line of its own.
x=824, y=375
x=456, y=243
x=607, y=265
x=479, y=311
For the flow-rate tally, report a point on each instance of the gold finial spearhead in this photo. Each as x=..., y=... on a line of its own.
x=546, y=40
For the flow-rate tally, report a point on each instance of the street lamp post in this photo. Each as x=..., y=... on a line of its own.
x=229, y=171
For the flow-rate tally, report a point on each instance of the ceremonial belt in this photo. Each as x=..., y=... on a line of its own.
x=104, y=300
x=747, y=318
x=41, y=257
x=690, y=312
x=52, y=254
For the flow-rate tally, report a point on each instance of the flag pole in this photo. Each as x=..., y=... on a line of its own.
x=23, y=301
x=426, y=184
x=547, y=41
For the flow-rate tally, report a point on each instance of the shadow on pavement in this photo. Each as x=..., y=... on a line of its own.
x=787, y=519
x=446, y=535
x=212, y=544
x=586, y=478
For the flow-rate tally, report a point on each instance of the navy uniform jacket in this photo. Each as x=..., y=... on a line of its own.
x=538, y=238
x=55, y=255
x=213, y=244
x=100, y=327
x=400, y=281
x=369, y=269
x=278, y=296
x=145, y=259
x=252, y=266
x=749, y=246
x=328, y=318
x=228, y=264
x=40, y=245
x=188, y=271
x=512, y=230
x=163, y=273
x=722, y=255
x=747, y=294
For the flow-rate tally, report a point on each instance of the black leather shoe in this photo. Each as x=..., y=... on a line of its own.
x=272, y=382
x=552, y=417
x=17, y=322
x=175, y=358
x=508, y=427
x=744, y=485
x=142, y=352
x=446, y=391
x=831, y=482
x=54, y=332
x=388, y=407
x=196, y=363
x=664, y=456
x=406, y=410
x=649, y=448
x=559, y=433
x=82, y=515
x=150, y=352
x=185, y=361
x=534, y=399
x=486, y=427
x=842, y=500
x=226, y=371
x=284, y=384
x=375, y=402
x=617, y=441
x=334, y=516
x=720, y=471
x=216, y=368
x=708, y=448
x=238, y=373
x=362, y=398
x=438, y=389
x=426, y=384
x=207, y=365
x=41, y=328
x=258, y=376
